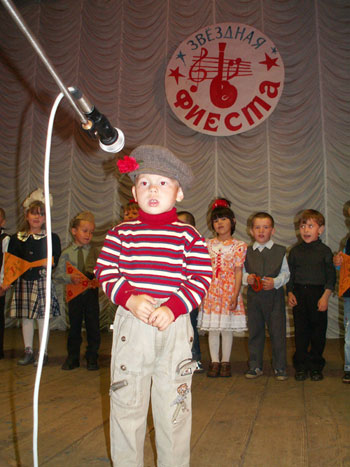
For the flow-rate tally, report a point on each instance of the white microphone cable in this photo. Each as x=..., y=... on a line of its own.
x=48, y=278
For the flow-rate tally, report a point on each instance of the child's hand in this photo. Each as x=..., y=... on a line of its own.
x=338, y=260
x=322, y=304
x=234, y=302
x=141, y=306
x=3, y=290
x=268, y=283
x=292, y=301
x=75, y=278
x=161, y=318
x=251, y=279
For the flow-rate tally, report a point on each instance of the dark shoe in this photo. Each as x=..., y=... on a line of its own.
x=70, y=364
x=92, y=365
x=214, y=370
x=346, y=377
x=27, y=358
x=2, y=355
x=301, y=375
x=46, y=359
x=225, y=369
x=316, y=375
x=254, y=373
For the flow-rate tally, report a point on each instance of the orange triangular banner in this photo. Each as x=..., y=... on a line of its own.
x=344, y=277
x=14, y=267
x=73, y=290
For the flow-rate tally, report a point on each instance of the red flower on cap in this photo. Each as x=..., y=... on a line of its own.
x=220, y=203
x=128, y=164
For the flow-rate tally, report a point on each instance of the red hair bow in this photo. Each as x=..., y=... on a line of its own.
x=220, y=203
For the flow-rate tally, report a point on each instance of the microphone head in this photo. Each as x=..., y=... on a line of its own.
x=117, y=145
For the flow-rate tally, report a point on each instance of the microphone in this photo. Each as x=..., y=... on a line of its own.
x=110, y=139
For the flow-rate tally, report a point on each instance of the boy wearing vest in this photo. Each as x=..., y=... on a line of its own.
x=157, y=270
x=266, y=272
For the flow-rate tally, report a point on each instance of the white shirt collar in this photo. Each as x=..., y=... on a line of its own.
x=261, y=246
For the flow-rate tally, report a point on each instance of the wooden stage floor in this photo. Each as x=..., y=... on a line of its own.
x=236, y=422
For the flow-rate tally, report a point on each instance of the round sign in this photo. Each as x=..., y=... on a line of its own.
x=224, y=79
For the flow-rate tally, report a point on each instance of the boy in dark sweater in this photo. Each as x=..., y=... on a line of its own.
x=266, y=272
x=312, y=280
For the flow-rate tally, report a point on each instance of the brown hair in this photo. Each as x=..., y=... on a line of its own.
x=82, y=216
x=262, y=215
x=2, y=214
x=312, y=214
x=36, y=207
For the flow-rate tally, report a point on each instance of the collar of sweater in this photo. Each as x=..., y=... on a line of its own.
x=158, y=219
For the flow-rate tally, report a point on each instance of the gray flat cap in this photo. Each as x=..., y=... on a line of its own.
x=161, y=161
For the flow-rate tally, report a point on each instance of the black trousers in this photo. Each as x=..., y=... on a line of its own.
x=2, y=324
x=84, y=306
x=310, y=328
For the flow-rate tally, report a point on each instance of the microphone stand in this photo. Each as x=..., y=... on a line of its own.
x=18, y=19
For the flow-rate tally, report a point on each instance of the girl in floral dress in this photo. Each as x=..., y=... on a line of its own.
x=222, y=310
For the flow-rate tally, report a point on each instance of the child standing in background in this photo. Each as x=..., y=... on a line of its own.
x=222, y=310
x=338, y=261
x=312, y=280
x=130, y=211
x=188, y=218
x=4, y=241
x=28, y=302
x=266, y=271
x=82, y=256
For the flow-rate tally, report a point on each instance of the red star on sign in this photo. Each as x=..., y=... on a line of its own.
x=269, y=62
x=176, y=74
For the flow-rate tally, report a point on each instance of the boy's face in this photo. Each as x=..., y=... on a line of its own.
x=310, y=231
x=2, y=221
x=156, y=194
x=262, y=230
x=83, y=233
x=130, y=214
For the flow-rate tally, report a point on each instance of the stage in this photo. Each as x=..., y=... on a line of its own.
x=236, y=422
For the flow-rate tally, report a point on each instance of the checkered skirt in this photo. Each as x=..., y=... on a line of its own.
x=28, y=300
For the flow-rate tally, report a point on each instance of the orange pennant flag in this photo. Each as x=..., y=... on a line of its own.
x=344, y=276
x=14, y=267
x=73, y=290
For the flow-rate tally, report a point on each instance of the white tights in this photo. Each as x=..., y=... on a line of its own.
x=214, y=345
x=28, y=332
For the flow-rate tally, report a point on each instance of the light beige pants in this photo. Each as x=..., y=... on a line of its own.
x=147, y=362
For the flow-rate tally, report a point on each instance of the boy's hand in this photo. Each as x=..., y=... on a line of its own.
x=161, y=318
x=338, y=260
x=322, y=304
x=141, y=306
x=292, y=301
x=268, y=283
x=251, y=279
x=75, y=278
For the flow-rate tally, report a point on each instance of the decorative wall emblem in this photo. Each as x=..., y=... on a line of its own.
x=224, y=79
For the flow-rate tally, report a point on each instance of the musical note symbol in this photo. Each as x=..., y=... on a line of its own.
x=222, y=93
x=196, y=69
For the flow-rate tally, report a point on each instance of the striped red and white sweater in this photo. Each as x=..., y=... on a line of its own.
x=156, y=255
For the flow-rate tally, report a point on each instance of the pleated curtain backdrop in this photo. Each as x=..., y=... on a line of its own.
x=116, y=52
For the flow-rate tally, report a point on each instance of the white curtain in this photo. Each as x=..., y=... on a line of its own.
x=116, y=52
